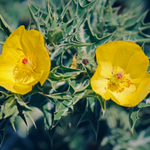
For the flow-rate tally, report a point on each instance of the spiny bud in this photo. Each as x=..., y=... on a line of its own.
x=85, y=61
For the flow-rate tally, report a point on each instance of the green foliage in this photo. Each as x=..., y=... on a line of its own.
x=124, y=23
x=61, y=30
x=77, y=27
x=134, y=112
x=4, y=26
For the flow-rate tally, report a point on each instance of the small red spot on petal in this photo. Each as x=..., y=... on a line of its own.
x=25, y=60
x=119, y=75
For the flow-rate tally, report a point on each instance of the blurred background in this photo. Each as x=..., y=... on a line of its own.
x=113, y=129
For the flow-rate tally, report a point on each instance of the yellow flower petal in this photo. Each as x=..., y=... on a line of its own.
x=13, y=41
x=44, y=67
x=7, y=81
x=101, y=55
x=13, y=44
x=123, y=98
x=99, y=85
x=137, y=66
x=106, y=69
x=22, y=89
x=117, y=53
x=121, y=73
x=125, y=50
x=44, y=64
x=6, y=73
x=142, y=91
x=26, y=59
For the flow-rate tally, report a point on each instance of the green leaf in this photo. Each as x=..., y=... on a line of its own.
x=23, y=105
x=85, y=92
x=89, y=71
x=46, y=106
x=92, y=113
x=62, y=109
x=24, y=118
x=8, y=107
x=12, y=119
x=3, y=127
x=134, y=112
x=48, y=111
x=65, y=10
x=60, y=96
x=55, y=35
x=4, y=26
x=30, y=117
x=62, y=73
x=34, y=18
x=13, y=107
x=3, y=95
x=11, y=111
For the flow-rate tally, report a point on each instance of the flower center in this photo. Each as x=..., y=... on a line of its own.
x=119, y=75
x=119, y=80
x=25, y=60
x=26, y=65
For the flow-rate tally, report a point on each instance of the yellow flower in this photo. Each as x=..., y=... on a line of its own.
x=121, y=73
x=24, y=61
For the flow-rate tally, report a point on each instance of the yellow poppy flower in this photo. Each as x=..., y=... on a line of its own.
x=24, y=61
x=121, y=74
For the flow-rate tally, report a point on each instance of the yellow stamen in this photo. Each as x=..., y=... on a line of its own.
x=119, y=80
x=25, y=66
